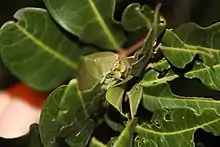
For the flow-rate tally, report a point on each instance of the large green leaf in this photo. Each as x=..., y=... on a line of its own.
x=176, y=127
x=157, y=95
x=125, y=139
x=90, y=20
x=83, y=136
x=37, y=51
x=181, y=46
x=64, y=115
x=207, y=70
x=161, y=97
x=208, y=75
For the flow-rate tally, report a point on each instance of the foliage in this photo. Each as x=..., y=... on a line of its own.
x=81, y=42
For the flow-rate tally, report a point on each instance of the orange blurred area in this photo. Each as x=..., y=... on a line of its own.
x=33, y=97
x=20, y=106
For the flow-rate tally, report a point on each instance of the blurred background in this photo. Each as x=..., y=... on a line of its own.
x=176, y=12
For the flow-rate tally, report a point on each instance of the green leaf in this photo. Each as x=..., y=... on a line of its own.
x=83, y=136
x=157, y=94
x=208, y=75
x=114, y=125
x=161, y=97
x=151, y=78
x=63, y=115
x=176, y=127
x=37, y=51
x=93, y=100
x=111, y=141
x=125, y=139
x=48, y=126
x=96, y=143
x=136, y=17
x=175, y=49
x=144, y=142
x=115, y=97
x=161, y=65
x=181, y=46
x=90, y=20
x=135, y=96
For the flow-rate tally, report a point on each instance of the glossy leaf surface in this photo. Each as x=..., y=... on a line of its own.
x=37, y=51
x=90, y=20
x=175, y=127
x=64, y=115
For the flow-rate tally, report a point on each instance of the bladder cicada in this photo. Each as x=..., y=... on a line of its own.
x=101, y=67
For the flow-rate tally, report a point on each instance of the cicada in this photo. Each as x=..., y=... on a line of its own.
x=101, y=67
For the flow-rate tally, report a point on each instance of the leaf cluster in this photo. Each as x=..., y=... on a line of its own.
x=77, y=48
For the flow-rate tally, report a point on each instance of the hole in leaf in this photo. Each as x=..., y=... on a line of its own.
x=168, y=117
x=163, y=73
x=112, y=143
x=144, y=140
x=137, y=138
x=162, y=21
x=53, y=141
x=157, y=124
x=139, y=143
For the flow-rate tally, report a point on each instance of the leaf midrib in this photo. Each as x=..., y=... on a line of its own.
x=189, y=99
x=167, y=78
x=72, y=85
x=103, y=25
x=47, y=48
x=158, y=81
x=177, y=132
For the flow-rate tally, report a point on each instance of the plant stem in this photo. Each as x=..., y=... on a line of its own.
x=129, y=51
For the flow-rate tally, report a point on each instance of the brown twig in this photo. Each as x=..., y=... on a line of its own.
x=129, y=51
